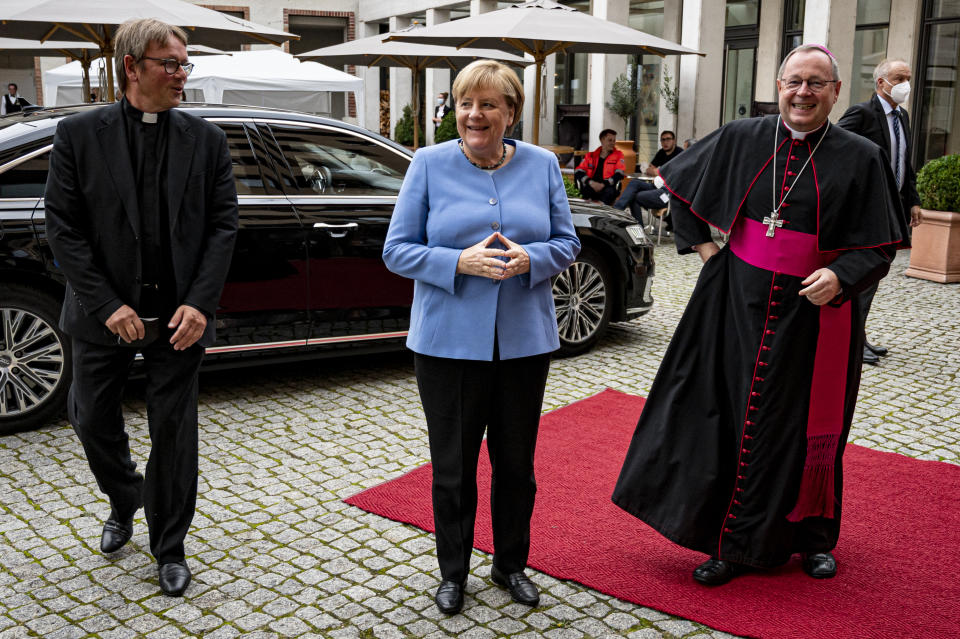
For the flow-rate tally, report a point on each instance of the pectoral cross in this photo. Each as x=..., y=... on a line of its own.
x=773, y=223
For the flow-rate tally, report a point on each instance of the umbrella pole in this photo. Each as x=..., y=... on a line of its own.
x=416, y=108
x=536, y=105
x=85, y=64
x=109, y=61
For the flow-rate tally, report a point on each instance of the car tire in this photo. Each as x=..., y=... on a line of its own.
x=583, y=298
x=35, y=359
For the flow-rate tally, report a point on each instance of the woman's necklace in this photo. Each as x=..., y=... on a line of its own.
x=497, y=165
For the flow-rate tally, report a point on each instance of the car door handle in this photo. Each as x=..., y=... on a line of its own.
x=331, y=228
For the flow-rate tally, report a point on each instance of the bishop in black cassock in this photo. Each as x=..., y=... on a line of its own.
x=738, y=451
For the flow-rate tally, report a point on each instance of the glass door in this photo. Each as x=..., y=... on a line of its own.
x=739, y=68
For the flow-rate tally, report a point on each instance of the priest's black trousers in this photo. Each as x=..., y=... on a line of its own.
x=168, y=489
x=461, y=399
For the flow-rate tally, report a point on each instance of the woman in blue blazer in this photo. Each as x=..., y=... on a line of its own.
x=482, y=224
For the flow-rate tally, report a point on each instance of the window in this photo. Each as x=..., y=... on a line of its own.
x=741, y=38
x=793, y=13
x=29, y=177
x=329, y=162
x=869, y=46
x=252, y=177
x=938, y=80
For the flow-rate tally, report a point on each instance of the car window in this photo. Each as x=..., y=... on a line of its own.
x=250, y=172
x=325, y=161
x=29, y=177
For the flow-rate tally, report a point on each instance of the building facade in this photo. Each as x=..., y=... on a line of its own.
x=743, y=41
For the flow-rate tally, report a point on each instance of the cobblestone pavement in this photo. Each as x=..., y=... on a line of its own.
x=276, y=553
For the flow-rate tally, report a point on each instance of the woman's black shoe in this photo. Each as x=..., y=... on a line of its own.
x=449, y=597
x=521, y=588
x=820, y=565
x=716, y=572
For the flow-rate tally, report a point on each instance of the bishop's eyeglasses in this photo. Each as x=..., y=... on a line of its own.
x=171, y=66
x=816, y=85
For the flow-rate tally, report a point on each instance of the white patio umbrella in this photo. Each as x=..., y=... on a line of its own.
x=96, y=21
x=376, y=52
x=82, y=52
x=541, y=28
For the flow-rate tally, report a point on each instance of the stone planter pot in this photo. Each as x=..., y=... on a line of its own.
x=935, y=255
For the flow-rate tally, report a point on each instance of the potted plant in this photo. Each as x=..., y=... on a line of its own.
x=403, y=132
x=624, y=102
x=935, y=255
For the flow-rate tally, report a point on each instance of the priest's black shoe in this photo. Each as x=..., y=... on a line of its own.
x=869, y=357
x=819, y=565
x=115, y=535
x=877, y=350
x=174, y=578
x=521, y=588
x=449, y=597
x=716, y=572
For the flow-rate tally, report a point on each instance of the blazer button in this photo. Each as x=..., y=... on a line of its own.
x=494, y=226
x=492, y=201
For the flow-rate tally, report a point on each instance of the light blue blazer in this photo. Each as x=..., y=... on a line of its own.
x=446, y=205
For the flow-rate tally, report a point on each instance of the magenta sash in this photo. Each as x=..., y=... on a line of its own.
x=796, y=254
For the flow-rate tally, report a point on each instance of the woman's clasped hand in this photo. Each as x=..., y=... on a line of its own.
x=483, y=261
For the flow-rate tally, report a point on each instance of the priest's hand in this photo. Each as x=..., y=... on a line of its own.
x=190, y=324
x=125, y=323
x=821, y=286
x=482, y=261
x=915, y=216
x=706, y=250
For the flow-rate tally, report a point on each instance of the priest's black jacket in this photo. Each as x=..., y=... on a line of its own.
x=717, y=458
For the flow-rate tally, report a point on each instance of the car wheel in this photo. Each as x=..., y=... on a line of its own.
x=34, y=359
x=582, y=295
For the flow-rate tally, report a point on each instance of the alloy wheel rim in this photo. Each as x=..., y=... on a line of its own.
x=31, y=361
x=580, y=298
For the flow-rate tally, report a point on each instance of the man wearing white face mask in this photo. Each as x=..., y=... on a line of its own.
x=884, y=122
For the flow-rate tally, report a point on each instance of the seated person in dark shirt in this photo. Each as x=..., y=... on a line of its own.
x=641, y=194
x=598, y=176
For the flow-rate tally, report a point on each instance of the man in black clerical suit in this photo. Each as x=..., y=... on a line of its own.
x=141, y=214
x=738, y=452
x=883, y=122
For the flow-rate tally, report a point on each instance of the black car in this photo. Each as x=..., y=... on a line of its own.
x=306, y=279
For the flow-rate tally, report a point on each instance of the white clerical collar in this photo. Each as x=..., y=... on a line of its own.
x=149, y=118
x=800, y=135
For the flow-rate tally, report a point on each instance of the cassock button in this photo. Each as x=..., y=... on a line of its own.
x=494, y=226
x=492, y=201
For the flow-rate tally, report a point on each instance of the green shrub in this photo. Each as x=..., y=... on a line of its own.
x=938, y=184
x=403, y=133
x=447, y=130
x=571, y=187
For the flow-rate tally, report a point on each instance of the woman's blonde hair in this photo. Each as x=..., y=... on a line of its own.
x=490, y=74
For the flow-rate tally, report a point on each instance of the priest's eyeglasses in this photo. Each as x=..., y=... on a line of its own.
x=171, y=66
x=816, y=85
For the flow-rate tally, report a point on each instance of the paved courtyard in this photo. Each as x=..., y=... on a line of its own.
x=276, y=553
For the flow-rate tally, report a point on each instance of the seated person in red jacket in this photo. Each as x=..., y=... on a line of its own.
x=598, y=176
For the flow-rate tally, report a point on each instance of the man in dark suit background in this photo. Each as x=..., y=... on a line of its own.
x=882, y=121
x=141, y=214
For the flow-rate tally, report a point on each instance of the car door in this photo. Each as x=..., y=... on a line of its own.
x=343, y=186
x=264, y=304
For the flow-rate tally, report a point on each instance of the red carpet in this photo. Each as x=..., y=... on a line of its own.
x=899, y=549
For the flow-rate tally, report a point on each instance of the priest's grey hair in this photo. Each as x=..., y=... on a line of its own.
x=882, y=69
x=811, y=47
x=134, y=36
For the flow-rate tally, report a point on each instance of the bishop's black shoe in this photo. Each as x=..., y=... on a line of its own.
x=174, y=578
x=115, y=535
x=877, y=350
x=869, y=357
x=449, y=597
x=716, y=572
x=522, y=590
x=819, y=565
